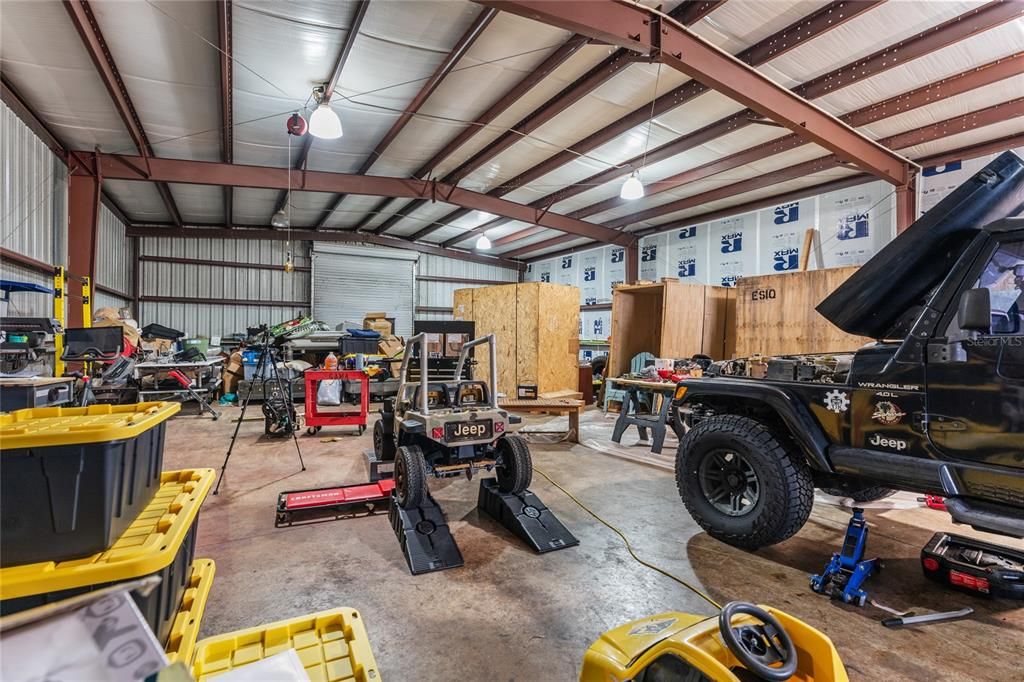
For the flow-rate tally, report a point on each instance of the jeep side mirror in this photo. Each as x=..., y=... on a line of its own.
x=975, y=312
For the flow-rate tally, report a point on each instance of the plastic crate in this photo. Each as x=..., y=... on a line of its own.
x=332, y=646
x=185, y=630
x=348, y=345
x=74, y=478
x=161, y=541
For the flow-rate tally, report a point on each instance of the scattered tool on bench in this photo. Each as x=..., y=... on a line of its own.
x=848, y=569
x=902, y=621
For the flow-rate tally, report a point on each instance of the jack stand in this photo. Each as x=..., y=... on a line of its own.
x=526, y=516
x=847, y=571
x=423, y=533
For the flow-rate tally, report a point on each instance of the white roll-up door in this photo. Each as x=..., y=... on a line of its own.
x=350, y=281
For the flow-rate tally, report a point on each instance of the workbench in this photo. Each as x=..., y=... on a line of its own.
x=208, y=373
x=18, y=393
x=657, y=421
x=569, y=406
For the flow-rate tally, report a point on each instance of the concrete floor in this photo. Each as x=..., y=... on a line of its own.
x=509, y=614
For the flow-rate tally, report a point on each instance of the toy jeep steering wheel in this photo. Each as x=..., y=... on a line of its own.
x=761, y=645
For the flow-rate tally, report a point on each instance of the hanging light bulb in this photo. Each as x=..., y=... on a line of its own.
x=289, y=266
x=483, y=243
x=324, y=123
x=632, y=188
x=280, y=219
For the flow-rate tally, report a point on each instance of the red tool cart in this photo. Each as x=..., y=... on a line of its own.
x=315, y=419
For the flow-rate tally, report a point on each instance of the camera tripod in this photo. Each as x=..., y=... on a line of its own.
x=265, y=358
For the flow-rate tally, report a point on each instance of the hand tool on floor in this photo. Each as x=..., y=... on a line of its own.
x=186, y=384
x=902, y=621
x=848, y=569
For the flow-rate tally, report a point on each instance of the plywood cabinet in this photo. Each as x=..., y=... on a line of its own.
x=536, y=329
x=775, y=314
x=670, y=320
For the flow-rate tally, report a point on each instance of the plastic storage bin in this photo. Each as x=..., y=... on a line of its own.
x=185, y=630
x=74, y=478
x=348, y=345
x=332, y=646
x=161, y=541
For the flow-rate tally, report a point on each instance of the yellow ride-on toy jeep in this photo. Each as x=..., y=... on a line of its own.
x=744, y=643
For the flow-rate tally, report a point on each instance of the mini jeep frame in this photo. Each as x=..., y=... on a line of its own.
x=449, y=428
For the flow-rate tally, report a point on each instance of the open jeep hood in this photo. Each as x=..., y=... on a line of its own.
x=902, y=274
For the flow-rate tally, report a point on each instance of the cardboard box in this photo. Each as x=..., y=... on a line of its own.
x=435, y=345
x=233, y=372
x=390, y=346
x=379, y=323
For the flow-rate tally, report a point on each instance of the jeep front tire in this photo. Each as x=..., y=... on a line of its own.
x=741, y=483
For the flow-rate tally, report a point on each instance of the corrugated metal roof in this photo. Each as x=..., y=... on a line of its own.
x=166, y=52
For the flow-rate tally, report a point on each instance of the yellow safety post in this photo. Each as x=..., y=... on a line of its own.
x=59, y=286
x=86, y=302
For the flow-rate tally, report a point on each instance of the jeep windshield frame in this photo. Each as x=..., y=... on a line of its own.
x=424, y=380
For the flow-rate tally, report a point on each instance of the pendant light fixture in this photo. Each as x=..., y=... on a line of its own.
x=324, y=123
x=632, y=188
x=483, y=243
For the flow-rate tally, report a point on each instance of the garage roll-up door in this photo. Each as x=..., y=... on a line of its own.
x=350, y=281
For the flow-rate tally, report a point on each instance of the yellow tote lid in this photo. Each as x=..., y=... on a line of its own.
x=40, y=427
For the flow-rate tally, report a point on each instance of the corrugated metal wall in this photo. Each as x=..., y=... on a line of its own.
x=113, y=256
x=33, y=210
x=439, y=294
x=222, y=283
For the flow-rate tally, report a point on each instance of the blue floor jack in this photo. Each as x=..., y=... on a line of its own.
x=848, y=569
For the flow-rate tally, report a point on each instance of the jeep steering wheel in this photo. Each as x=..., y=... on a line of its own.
x=759, y=646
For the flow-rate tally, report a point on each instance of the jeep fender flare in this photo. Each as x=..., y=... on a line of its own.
x=800, y=423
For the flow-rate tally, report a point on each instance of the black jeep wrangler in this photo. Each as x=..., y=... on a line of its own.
x=935, y=405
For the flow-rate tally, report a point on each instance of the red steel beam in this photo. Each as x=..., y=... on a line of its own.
x=807, y=28
x=609, y=67
x=117, y=167
x=925, y=42
x=542, y=71
x=988, y=116
x=958, y=124
x=332, y=81
x=463, y=46
x=92, y=38
x=579, y=89
x=927, y=94
x=227, y=120
x=83, y=226
x=637, y=28
x=689, y=12
x=345, y=236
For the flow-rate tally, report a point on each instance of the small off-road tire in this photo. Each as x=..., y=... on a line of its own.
x=410, y=477
x=516, y=469
x=785, y=491
x=860, y=493
x=383, y=442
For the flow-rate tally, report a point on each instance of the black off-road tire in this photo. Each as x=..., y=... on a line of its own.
x=786, y=491
x=410, y=477
x=516, y=470
x=383, y=442
x=860, y=493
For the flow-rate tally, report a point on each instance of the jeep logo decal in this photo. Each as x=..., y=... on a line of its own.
x=469, y=430
x=891, y=443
